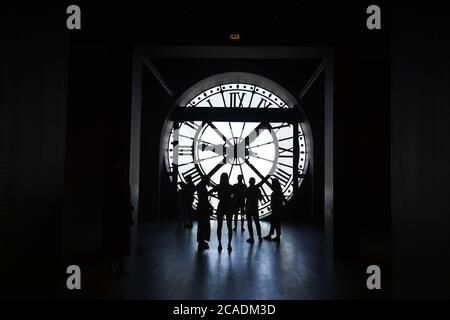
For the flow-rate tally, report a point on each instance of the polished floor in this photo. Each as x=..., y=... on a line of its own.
x=168, y=266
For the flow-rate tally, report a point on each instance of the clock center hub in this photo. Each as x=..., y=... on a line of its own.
x=238, y=152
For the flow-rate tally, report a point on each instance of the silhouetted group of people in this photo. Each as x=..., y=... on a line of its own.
x=234, y=200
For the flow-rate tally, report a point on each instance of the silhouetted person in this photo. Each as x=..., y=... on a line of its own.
x=117, y=219
x=252, y=196
x=239, y=202
x=203, y=210
x=180, y=204
x=277, y=202
x=188, y=196
x=224, y=191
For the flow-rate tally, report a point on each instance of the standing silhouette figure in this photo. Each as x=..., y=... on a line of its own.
x=224, y=191
x=239, y=201
x=277, y=202
x=188, y=196
x=203, y=210
x=252, y=196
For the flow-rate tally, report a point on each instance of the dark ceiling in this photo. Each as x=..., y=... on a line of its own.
x=274, y=22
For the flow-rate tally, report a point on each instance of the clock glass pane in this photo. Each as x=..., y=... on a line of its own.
x=251, y=149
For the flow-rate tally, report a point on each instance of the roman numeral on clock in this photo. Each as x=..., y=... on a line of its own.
x=264, y=103
x=282, y=175
x=285, y=152
x=236, y=99
x=185, y=150
x=193, y=172
x=266, y=197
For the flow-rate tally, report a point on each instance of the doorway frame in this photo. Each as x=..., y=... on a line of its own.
x=142, y=56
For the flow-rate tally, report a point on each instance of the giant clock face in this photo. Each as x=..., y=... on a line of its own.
x=262, y=150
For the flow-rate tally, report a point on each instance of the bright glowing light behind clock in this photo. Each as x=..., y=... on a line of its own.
x=200, y=148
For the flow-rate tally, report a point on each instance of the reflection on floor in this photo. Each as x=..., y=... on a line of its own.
x=168, y=266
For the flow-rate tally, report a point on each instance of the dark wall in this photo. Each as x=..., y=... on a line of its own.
x=420, y=151
x=361, y=151
x=33, y=102
x=98, y=137
x=156, y=103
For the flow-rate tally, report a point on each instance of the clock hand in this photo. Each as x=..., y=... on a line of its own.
x=212, y=157
x=264, y=179
x=231, y=170
x=265, y=159
x=231, y=129
x=255, y=133
x=242, y=130
x=261, y=144
x=201, y=144
x=215, y=169
x=220, y=134
x=250, y=138
x=216, y=148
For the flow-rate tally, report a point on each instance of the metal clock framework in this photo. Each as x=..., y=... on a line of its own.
x=241, y=127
